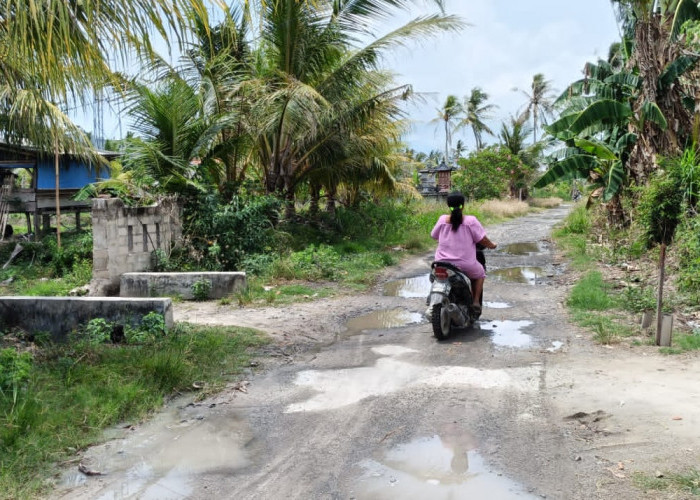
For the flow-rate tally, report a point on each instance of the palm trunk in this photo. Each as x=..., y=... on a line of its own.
x=315, y=196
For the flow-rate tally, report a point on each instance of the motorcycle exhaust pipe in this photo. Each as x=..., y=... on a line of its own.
x=456, y=314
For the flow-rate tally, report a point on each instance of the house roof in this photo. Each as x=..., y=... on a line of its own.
x=29, y=150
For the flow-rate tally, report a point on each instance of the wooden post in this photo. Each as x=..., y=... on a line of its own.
x=58, y=196
x=77, y=221
x=659, y=298
x=647, y=318
x=29, y=222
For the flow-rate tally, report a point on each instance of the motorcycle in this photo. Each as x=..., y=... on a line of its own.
x=450, y=298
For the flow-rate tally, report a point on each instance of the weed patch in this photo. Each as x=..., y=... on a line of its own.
x=590, y=293
x=73, y=391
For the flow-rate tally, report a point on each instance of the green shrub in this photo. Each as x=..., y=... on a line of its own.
x=660, y=208
x=220, y=235
x=97, y=331
x=201, y=289
x=485, y=174
x=688, y=250
x=15, y=369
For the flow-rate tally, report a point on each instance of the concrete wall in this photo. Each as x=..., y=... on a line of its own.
x=60, y=315
x=179, y=284
x=125, y=237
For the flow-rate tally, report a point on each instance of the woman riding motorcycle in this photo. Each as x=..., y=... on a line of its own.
x=457, y=236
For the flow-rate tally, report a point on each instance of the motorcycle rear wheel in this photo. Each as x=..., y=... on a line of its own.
x=441, y=322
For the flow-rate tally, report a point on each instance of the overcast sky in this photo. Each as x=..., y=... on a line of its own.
x=507, y=43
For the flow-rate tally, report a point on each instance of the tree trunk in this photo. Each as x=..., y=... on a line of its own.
x=58, y=196
x=330, y=201
x=315, y=193
x=659, y=297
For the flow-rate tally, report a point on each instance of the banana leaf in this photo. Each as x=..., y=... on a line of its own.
x=675, y=70
x=615, y=177
x=576, y=165
x=596, y=148
x=652, y=113
x=623, y=78
x=686, y=10
x=603, y=111
x=626, y=141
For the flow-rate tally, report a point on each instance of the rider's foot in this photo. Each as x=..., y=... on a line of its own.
x=477, y=310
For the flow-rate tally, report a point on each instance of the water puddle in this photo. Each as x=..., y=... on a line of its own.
x=497, y=305
x=556, y=346
x=409, y=288
x=390, y=374
x=522, y=248
x=508, y=333
x=527, y=275
x=161, y=459
x=382, y=320
x=439, y=467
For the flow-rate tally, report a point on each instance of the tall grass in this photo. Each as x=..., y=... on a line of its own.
x=76, y=390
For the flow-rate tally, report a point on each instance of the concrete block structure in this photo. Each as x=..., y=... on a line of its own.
x=181, y=285
x=124, y=238
x=60, y=315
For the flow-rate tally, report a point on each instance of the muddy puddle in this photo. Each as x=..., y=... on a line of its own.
x=382, y=320
x=409, y=288
x=497, y=305
x=163, y=459
x=528, y=248
x=438, y=467
x=508, y=333
x=527, y=275
x=393, y=372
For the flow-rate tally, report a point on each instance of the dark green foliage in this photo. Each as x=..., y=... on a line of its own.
x=660, y=207
x=485, y=174
x=220, y=235
x=688, y=251
x=15, y=368
x=201, y=289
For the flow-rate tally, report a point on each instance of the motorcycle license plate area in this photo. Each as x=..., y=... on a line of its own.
x=437, y=293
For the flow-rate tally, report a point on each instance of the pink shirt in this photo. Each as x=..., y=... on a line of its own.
x=459, y=247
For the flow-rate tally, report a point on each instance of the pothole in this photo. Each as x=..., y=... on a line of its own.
x=508, y=333
x=438, y=467
x=161, y=459
x=389, y=374
x=409, y=288
x=383, y=320
x=527, y=275
x=528, y=248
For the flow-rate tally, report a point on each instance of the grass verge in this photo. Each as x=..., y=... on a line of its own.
x=61, y=399
x=673, y=484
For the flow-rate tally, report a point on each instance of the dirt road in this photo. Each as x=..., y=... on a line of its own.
x=357, y=400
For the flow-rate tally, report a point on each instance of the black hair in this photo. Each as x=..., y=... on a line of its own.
x=456, y=201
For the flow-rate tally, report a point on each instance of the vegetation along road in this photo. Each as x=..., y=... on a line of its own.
x=356, y=399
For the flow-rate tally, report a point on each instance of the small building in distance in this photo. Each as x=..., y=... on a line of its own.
x=437, y=181
x=28, y=178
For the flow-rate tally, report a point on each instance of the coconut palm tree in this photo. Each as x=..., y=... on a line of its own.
x=311, y=72
x=540, y=101
x=476, y=111
x=447, y=116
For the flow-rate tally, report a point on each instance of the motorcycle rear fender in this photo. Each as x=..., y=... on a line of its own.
x=439, y=293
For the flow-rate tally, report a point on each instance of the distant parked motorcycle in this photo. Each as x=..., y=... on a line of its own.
x=450, y=298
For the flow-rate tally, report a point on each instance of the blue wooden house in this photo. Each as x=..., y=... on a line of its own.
x=34, y=193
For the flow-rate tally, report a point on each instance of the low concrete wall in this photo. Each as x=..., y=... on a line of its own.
x=179, y=284
x=60, y=315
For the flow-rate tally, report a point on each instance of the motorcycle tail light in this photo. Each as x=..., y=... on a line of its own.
x=441, y=273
